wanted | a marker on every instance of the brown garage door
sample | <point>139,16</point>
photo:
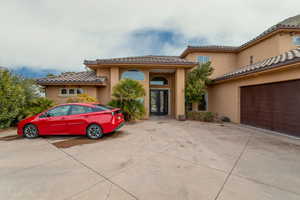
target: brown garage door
<point>274,106</point>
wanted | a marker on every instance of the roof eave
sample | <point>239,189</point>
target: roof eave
<point>93,65</point>
<point>70,83</point>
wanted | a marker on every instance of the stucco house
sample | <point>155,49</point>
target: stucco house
<point>257,83</point>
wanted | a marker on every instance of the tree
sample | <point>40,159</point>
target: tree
<point>12,98</point>
<point>197,81</point>
<point>127,95</point>
<point>19,98</point>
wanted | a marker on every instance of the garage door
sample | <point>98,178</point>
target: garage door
<point>274,106</point>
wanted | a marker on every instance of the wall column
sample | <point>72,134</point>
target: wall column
<point>114,77</point>
<point>147,97</point>
<point>179,92</point>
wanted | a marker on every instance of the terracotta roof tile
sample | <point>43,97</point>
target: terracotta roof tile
<point>289,57</point>
<point>87,77</point>
<point>161,60</point>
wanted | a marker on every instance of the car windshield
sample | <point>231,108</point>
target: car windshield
<point>103,107</point>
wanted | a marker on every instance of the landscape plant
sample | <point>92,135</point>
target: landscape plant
<point>19,98</point>
<point>128,95</point>
<point>197,81</point>
<point>81,98</point>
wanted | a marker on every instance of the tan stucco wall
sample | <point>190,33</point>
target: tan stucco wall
<point>221,62</point>
<point>53,92</point>
<point>273,46</point>
<point>179,92</point>
<point>224,98</point>
<point>103,93</point>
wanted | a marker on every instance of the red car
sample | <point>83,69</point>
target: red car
<point>92,120</point>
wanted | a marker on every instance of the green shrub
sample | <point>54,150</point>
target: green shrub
<point>18,99</point>
<point>126,95</point>
<point>225,119</point>
<point>201,116</point>
<point>81,98</point>
<point>132,109</point>
<point>37,105</point>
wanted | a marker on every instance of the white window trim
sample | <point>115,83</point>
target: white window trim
<point>68,94</point>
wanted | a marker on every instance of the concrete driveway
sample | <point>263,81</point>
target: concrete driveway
<point>153,159</point>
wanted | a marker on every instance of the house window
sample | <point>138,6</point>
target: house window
<point>79,91</point>
<point>296,40</point>
<point>203,59</point>
<point>159,81</point>
<point>133,74</point>
<point>70,91</point>
<point>251,60</point>
<point>63,91</point>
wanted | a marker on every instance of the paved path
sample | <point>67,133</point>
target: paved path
<point>153,159</point>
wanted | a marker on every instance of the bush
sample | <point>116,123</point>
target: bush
<point>81,98</point>
<point>18,99</point>
<point>132,109</point>
<point>37,105</point>
<point>225,119</point>
<point>126,95</point>
<point>202,116</point>
<point>12,99</point>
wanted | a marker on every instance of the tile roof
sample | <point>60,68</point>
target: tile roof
<point>87,77</point>
<point>159,60</point>
<point>209,48</point>
<point>289,57</point>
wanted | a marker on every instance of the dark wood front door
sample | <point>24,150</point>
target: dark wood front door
<point>159,102</point>
<point>273,106</point>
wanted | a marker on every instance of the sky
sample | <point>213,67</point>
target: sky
<point>61,34</point>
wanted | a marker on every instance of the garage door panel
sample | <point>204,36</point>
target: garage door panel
<point>273,106</point>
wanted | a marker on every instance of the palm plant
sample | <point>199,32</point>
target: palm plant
<point>126,95</point>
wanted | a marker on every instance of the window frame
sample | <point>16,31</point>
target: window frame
<point>68,91</point>
<point>296,40</point>
<point>44,115</point>
<point>164,80</point>
<point>133,70</point>
<point>72,106</point>
<point>201,60</point>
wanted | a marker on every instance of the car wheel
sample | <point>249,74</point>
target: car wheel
<point>30,131</point>
<point>94,131</point>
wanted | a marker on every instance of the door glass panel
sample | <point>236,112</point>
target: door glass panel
<point>161,101</point>
<point>154,96</point>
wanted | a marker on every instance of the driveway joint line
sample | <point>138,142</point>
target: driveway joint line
<point>96,172</point>
<point>234,166</point>
<point>266,184</point>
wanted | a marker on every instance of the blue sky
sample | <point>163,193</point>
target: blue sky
<point>60,34</point>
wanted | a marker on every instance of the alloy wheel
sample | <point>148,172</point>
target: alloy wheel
<point>30,131</point>
<point>94,131</point>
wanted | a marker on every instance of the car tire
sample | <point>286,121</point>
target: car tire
<point>30,131</point>
<point>94,131</point>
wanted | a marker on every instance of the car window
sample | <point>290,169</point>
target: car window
<point>100,107</point>
<point>58,111</point>
<point>75,110</point>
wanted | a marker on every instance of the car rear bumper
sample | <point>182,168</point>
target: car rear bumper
<point>120,126</point>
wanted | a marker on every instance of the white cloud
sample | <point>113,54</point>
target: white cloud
<point>60,34</point>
